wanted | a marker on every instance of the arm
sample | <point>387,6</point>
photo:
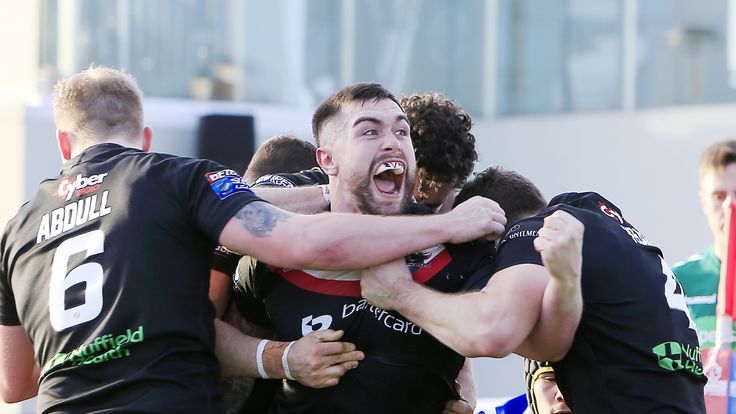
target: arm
<point>316,360</point>
<point>560,244</point>
<point>224,264</point>
<point>465,385</point>
<point>220,285</point>
<point>305,200</point>
<point>497,320</point>
<point>20,372</point>
<point>491,322</point>
<point>330,241</point>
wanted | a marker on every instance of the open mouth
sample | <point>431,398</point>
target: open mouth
<point>389,176</point>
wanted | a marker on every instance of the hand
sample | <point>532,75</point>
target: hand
<point>318,360</point>
<point>477,217</point>
<point>381,285</point>
<point>560,242</point>
<point>460,406</point>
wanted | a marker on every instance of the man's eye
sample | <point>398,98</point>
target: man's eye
<point>719,196</point>
<point>402,132</point>
<point>371,132</point>
<point>548,377</point>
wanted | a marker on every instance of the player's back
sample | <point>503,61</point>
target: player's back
<point>636,349</point>
<point>108,266</point>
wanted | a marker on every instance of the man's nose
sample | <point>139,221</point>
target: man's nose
<point>390,142</point>
<point>558,396</point>
<point>730,198</point>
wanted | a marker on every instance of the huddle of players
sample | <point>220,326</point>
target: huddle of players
<point>115,340</point>
<point>445,157</point>
<point>603,345</point>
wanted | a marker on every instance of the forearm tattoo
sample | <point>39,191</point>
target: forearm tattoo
<point>260,218</point>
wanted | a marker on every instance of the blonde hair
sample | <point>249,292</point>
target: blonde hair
<point>716,157</point>
<point>98,103</point>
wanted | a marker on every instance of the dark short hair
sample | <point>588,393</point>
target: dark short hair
<point>516,195</point>
<point>716,157</point>
<point>283,153</point>
<point>440,133</point>
<point>361,92</point>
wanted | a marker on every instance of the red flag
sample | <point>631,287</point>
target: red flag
<point>718,359</point>
<point>727,284</point>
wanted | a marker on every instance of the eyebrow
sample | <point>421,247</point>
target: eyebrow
<point>400,117</point>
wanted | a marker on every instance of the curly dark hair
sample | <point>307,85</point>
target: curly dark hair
<point>440,132</point>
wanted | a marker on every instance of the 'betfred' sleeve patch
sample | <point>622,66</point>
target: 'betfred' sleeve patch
<point>226,183</point>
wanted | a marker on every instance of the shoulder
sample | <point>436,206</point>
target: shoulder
<point>696,258</point>
<point>517,244</point>
<point>524,229</point>
<point>168,166</point>
<point>696,264</point>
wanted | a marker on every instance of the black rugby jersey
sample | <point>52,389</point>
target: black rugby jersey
<point>226,261</point>
<point>106,268</point>
<point>636,350</point>
<point>405,370</point>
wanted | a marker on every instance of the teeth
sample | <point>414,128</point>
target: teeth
<point>397,167</point>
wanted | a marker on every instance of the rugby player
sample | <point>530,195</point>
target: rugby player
<point>634,349</point>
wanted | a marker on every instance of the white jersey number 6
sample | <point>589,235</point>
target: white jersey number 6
<point>89,243</point>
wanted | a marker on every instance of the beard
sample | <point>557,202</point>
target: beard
<point>368,204</point>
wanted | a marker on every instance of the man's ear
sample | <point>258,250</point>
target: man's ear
<point>147,139</point>
<point>326,161</point>
<point>65,148</point>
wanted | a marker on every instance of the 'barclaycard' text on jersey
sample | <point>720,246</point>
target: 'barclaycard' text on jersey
<point>390,321</point>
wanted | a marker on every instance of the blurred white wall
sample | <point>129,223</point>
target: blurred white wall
<point>19,48</point>
<point>644,161</point>
<point>17,87</point>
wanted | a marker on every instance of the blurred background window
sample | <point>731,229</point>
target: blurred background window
<point>496,57</point>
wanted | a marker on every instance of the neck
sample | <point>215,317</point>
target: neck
<point>125,142</point>
<point>342,199</point>
<point>719,248</point>
<point>341,202</point>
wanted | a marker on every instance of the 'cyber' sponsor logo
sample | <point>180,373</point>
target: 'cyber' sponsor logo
<point>610,212</point>
<point>635,235</point>
<point>67,186</point>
